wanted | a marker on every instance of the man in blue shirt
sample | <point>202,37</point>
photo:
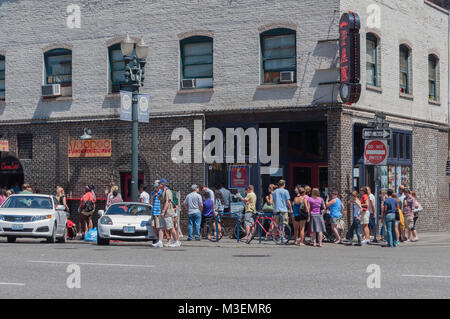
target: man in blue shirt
<point>282,203</point>
<point>157,222</point>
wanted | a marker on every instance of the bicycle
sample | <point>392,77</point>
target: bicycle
<point>280,234</point>
<point>210,228</point>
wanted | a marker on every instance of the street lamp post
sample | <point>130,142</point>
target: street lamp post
<point>134,77</point>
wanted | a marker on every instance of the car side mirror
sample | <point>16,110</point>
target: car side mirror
<point>61,207</point>
<point>101,212</point>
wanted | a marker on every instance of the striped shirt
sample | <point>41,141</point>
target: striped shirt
<point>156,210</point>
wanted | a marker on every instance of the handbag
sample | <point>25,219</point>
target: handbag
<point>267,208</point>
<point>303,210</point>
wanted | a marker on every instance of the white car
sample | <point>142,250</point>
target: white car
<point>125,222</point>
<point>33,216</point>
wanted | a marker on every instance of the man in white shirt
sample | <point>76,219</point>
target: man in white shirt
<point>144,197</point>
<point>372,210</point>
<point>193,204</point>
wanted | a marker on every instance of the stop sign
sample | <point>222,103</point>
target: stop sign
<point>375,152</point>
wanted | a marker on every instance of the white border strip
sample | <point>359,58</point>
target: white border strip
<point>11,284</point>
<point>426,276</point>
<point>88,264</point>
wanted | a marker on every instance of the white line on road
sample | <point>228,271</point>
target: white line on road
<point>88,264</point>
<point>426,276</point>
<point>11,284</point>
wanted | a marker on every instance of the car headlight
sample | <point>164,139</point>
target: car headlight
<point>105,220</point>
<point>37,218</point>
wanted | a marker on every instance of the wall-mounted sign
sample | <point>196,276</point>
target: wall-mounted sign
<point>4,146</point>
<point>349,49</point>
<point>238,176</point>
<point>89,148</point>
<point>10,165</point>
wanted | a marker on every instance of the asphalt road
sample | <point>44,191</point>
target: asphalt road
<point>31,269</point>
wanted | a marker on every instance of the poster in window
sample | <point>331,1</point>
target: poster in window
<point>384,178</point>
<point>391,177</point>
<point>398,177</point>
<point>406,176</point>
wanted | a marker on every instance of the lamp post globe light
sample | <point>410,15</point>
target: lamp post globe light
<point>134,77</point>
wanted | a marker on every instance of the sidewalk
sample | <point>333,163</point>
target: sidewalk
<point>425,239</point>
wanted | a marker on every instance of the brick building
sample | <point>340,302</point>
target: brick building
<point>235,51</point>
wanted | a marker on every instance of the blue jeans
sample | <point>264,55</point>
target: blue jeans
<point>355,228</point>
<point>391,236</point>
<point>194,221</point>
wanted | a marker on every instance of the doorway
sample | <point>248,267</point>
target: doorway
<point>125,184</point>
<point>312,174</point>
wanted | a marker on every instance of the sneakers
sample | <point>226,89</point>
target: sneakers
<point>158,244</point>
<point>365,242</point>
<point>175,244</point>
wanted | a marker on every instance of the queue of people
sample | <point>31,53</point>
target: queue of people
<point>305,211</point>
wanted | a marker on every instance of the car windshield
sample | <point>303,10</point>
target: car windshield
<point>129,209</point>
<point>33,202</point>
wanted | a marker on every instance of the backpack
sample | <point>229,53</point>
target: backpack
<point>175,200</point>
<point>89,206</point>
<point>303,210</point>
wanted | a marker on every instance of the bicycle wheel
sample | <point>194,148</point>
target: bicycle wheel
<point>211,231</point>
<point>241,232</point>
<point>282,234</point>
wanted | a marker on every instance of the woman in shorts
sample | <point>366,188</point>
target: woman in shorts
<point>300,213</point>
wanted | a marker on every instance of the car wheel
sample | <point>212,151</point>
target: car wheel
<point>11,239</point>
<point>63,239</point>
<point>52,240</point>
<point>102,241</point>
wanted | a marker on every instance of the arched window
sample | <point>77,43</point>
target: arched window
<point>197,62</point>
<point>405,70</point>
<point>2,77</point>
<point>433,78</point>
<point>117,68</point>
<point>278,56</point>
<point>58,67</point>
<point>372,60</point>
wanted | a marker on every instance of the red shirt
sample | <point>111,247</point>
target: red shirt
<point>365,201</point>
<point>87,197</point>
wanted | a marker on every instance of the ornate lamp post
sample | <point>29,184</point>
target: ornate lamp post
<point>134,76</point>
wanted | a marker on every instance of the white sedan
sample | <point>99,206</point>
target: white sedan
<point>125,222</point>
<point>33,216</point>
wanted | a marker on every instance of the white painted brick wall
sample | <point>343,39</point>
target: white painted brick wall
<point>28,26</point>
<point>425,28</point>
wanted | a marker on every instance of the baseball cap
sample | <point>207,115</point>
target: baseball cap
<point>163,181</point>
<point>156,184</point>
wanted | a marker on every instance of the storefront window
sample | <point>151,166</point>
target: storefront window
<point>295,141</point>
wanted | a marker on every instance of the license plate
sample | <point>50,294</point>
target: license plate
<point>129,230</point>
<point>17,227</point>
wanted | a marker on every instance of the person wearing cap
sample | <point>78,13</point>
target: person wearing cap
<point>156,220</point>
<point>168,212</point>
<point>193,204</point>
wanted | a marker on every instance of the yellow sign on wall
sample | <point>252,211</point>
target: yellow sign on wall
<point>4,146</point>
<point>89,148</point>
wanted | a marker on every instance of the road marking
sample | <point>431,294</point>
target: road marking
<point>89,264</point>
<point>11,284</point>
<point>426,276</point>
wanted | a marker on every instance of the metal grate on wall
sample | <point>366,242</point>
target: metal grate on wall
<point>25,146</point>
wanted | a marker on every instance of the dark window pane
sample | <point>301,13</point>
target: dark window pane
<point>197,57</point>
<point>408,146</point>
<point>401,145</point>
<point>394,145</point>
<point>58,65</point>
<point>295,142</point>
<point>25,146</point>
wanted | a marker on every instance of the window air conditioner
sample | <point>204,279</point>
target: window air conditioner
<point>287,77</point>
<point>50,90</point>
